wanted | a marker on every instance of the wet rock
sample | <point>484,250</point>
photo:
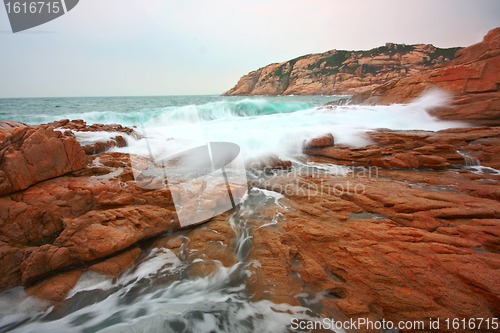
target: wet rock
<point>88,218</point>
<point>95,235</point>
<point>69,127</point>
<point>269,162</point>
<point>9,124</point>
<point>324,141</point>
<point>117,264</point>
<point>397,244</point>
<point>29,155</point>
<point>81,126</point>
<point>94,213</point>
<point>425,254</point>
<point>419,149</point>
<point>55,288</point>
<point>100,147</point>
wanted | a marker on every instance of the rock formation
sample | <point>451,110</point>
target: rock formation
<point>69,127</point>
<point>78,219</point>
<point>419,149</point>
<point>339,72</point>
<point>473,78</point>
<point>29,155</point>
<point>397,245</point>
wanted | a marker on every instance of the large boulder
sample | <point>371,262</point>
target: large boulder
<point>77,219</point>
<point>29,155</point>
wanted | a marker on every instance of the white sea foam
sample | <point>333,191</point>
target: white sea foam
<point>262,127</point>
<point>284,133</point>
<point>16,305</point>
<point>202,305</point>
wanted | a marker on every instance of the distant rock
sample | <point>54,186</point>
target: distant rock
<point>339,72</point>
<point>473,78</point>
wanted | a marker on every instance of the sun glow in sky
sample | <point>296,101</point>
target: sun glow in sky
<point>164,47</point>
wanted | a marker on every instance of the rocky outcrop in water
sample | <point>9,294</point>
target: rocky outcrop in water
<point>339,72</point>
<point>419,149</point>
<point>80,125</point>
<point>69,127</point>
<point>473,78</point>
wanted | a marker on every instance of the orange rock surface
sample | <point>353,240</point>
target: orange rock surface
<point>29,155</point>
<point>473,78</point>
<point>339,72</point>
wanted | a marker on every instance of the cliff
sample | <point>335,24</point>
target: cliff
<point>339,72</point>
<point>473,78</point>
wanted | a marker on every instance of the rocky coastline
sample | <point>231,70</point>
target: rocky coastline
<point>340,72</point>
<point>472,79</point>
<point>410,232</point>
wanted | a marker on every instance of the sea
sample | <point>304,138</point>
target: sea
<point>141,299</point>
<point>259,125</point>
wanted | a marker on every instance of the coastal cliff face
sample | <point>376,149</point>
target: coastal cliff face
<point>473,78</point>
<point>339,72</point>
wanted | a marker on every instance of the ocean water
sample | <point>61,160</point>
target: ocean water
<point>154,294</point>
<point>259,125</point>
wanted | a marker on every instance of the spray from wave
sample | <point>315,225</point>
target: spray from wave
<point>208,111</point>
<point>284,130</point>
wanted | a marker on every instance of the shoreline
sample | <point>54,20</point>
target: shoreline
<point>402,214</point>
<point>408,228</point>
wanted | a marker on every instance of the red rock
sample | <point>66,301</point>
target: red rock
<point>456,87</point>
<point>81,126</point>
<point>477,86</point>
<point>96,235</point>
<point>418,149</point>
<point>55,288</point>
<point>472,77</point>
<point>9,124</point>
<point>43,260</point>
<point>433,162</point>
<point>324,141</point>
<point>34,154</point>
<point>96,148</point>
<point>100,147</point>
<point>117,264</point>
<point>32,232</point>
<point>411,266</point>
<point>335,72</point>
<point>268,162</point>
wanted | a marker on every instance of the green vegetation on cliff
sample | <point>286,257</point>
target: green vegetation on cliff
<point>341,71</point>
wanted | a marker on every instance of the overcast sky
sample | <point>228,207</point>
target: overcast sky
<point>182,47</point>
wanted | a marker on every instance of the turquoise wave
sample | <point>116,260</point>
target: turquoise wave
<point>206,112</point>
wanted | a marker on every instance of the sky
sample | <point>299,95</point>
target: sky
<point>199,47</point>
